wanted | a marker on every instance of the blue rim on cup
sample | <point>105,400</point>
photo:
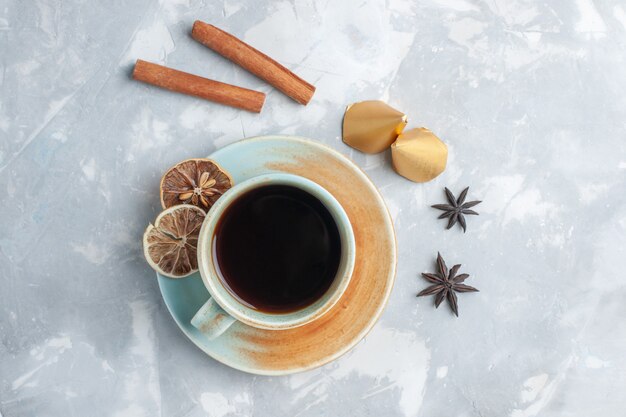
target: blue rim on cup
<point>223,308</point>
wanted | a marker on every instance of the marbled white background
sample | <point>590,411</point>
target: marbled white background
<point>529,97</point>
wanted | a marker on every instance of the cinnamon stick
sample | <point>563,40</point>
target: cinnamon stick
<point>194,85</point>
<point>253,60</point>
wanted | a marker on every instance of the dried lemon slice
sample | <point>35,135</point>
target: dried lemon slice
<point>170,245</point>
<point>194,181</point>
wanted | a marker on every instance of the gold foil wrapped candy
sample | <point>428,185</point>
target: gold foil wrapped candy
<point>419,155</point>
<point>372,126</point>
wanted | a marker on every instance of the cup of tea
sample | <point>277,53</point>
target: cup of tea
<point>275,252</point>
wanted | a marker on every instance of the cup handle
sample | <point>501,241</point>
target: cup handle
<point>212,320</point>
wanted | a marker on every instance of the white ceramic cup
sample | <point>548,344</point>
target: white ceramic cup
<point>223,308</point>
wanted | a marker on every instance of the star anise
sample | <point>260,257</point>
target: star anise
<point>456,209</point>
<point>446,284</point>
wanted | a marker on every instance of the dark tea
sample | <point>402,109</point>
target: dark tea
<point>277,248</point>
